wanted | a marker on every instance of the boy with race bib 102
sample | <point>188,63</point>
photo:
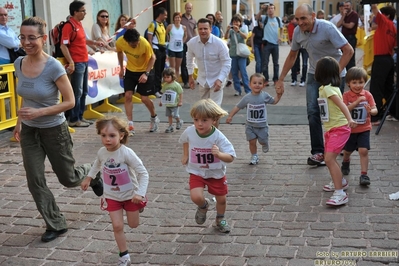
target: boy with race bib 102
<point>256,128</point>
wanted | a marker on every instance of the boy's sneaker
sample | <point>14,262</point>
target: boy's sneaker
<point>131,128</point>
<point>293,83</point>
<point>124,261</point>
<point>200,215</point>
<point>330,187</point>
<point>364,180</point>
<point>179,124</point>
<point>154,124</point>
<point>345,168</point>
<point>302,84</point>
<point>169,129</point>
<point>338,199</point>
<point>265,148</point>
<point>254,160</point>
<point>316,159</point>
<point>222,226</point>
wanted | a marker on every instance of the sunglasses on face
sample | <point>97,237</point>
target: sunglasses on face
<point>104,16</point>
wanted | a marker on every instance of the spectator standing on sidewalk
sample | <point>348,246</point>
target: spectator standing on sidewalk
<point>8,38</point>
<point>218,23</point>
<point>301,53</point>
<point>272,32</point>
<point>383,68</point>
<point>73,46</point>
<point>157,38</point>
<point>191,28</point>
<point>140,60</point>
<point>349,22</point>
<point>42,129</point>
<point>213,62</point>
<point>176,34</point>
<point>256,45</point>
<point>320,38</point>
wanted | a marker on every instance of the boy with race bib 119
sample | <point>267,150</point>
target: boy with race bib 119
<point>172,97</point>
<point>206,151</point>
<point>256,128</point>
<point>361,104</point>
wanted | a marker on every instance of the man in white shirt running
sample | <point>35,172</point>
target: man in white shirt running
<point>213,62</point>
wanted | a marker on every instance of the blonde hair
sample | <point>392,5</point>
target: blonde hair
<point>117,123</point>
<point>207,108</point>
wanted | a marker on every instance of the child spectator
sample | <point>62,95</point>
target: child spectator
<point>172,96</point>
<point>361,104</point>
<point>256,128</point>
<point>123,190</point>
<point>206,150</point>
<point>337,123</point>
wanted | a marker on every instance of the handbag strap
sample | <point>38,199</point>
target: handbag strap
<point>235,37</point>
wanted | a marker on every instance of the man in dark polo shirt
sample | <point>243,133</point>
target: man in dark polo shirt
<point>191,27</point>
<point>349,29</point>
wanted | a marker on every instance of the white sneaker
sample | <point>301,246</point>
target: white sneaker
<point>338,199</point>
<point>158,95</point>
<point>330,187</point>
<point>391,118</point>
<point>302,84</point>
<point>254,160</point>
<point>124,261</point>
<point>265,148</point>
<point>293,83</point>
<point>131,128</point>
<point>179,124</point>
<point>154,124</point>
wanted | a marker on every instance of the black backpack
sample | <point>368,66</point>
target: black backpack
<point>55,37</point>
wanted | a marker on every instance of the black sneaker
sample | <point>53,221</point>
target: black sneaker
<point>97,185</point>
<point>364,180</point>
<point>345,168</point>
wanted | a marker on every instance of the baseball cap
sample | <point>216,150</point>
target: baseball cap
<point>341,4</point>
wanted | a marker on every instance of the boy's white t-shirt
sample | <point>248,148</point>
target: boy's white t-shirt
<point>201,161</point>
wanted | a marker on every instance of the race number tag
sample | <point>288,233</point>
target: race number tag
<point>256,113</point>
<point>203,158</point>
<point>178,43</point>
<point>117,179</point>
<point>359,113</point>
<point>168,97</point>
<point>323,106</point>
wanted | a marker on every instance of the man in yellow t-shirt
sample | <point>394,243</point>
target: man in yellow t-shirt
<point>140,60</point>
<point>157,39</point>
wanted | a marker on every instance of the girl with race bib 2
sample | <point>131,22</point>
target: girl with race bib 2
<point>256,128</point>
<point>125,180</point>
<point>337,123</point>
